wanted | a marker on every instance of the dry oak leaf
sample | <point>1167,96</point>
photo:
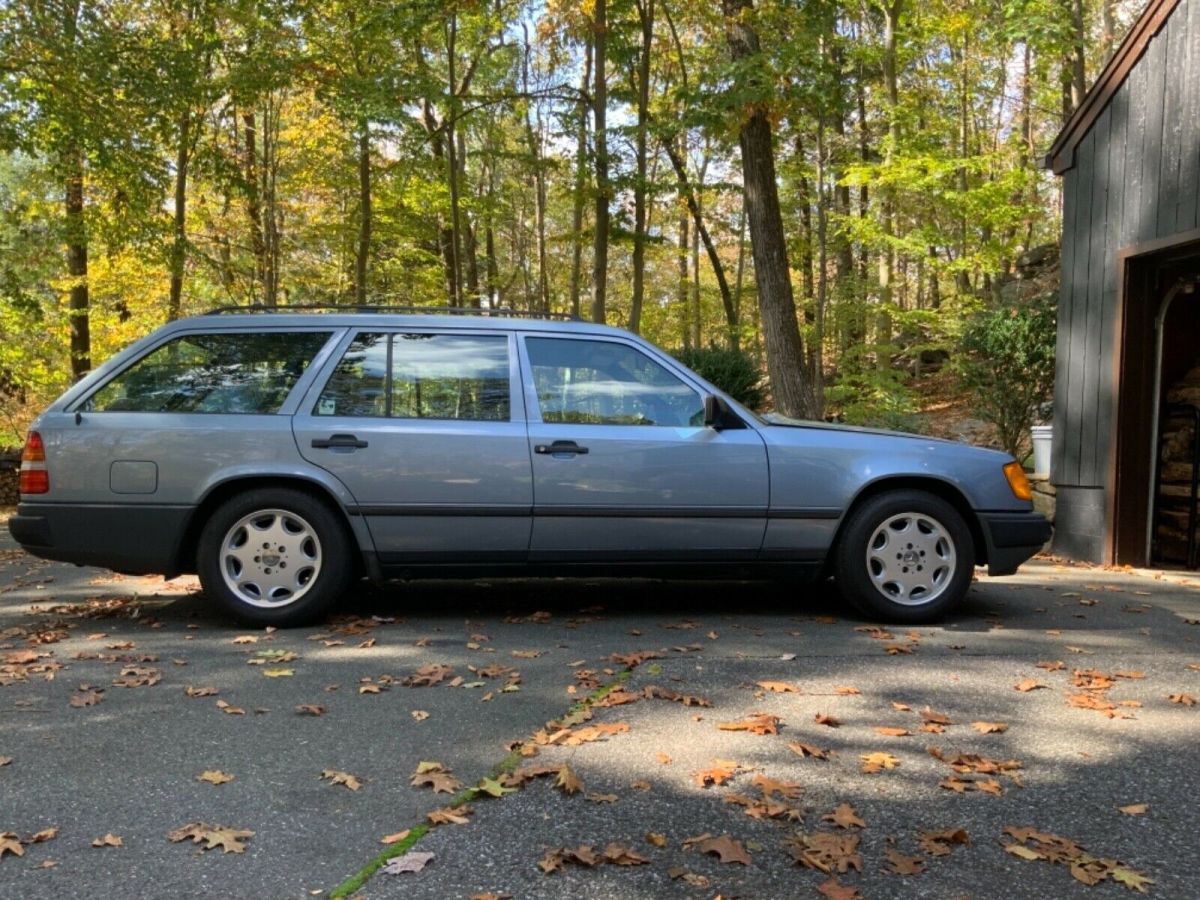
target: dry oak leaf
<point>620,855</point>
<point>9,843</point>
<point>594,733</point>
<point>82,698</point>
<point>990,727</point>
<point>826,852</point>
<point>725,848</point>
<point>938,843</point>
<point>310,709</point>
<point>46,834</point>
<point>428,675</point>
<point>962,785</point>
<point>229,709</point>
<point>450,815</point>
<point>873,763</point>
<point>343,778</point>
<point>1184,699</point>
<point>663,758</point>
<point>656,839</point>
<point>721,772</point>
<point>809,750</point>
<point>568,782</point>
<point>778,687</point>
<point>785,789</point>
<point>757,723</point>
<point>600,798</point>
<point>412,861</point>
<point>844,816</point>
<point>5,760</point>
<point>1134,809</point>
<point>553,860</point>
<point>846,691</point>
<point>395,838</point>
<point>231,840</point>
<point>929,717</point>
<point>887,731</point>
<point>835,890</point>
<point>109,840</point>
<point>652,692</point>
<point>828,720</point>
<point>1029,684</point>
<point>200,691</point>
<point>436,776</point>
<point>899,864</point>
<point>214,776</point>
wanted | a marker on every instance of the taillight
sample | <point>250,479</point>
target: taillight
<point>34,479</point>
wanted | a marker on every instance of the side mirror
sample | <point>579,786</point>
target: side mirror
<point>712,412</point>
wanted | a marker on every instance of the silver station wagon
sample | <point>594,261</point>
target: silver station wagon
<point>281,455</point>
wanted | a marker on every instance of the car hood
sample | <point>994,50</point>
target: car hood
<point>786,422</point>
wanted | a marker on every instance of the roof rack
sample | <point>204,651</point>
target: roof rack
<point>486,312</point>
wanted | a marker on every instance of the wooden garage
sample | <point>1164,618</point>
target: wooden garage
<point>1127,390</point>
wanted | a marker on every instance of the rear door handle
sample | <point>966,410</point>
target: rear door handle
<point>559,447</point>
<point>338,441</point>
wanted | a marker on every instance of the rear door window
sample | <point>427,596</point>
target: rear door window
<point>421,376</point>
<point>221,372</point>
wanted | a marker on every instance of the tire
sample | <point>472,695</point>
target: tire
<point>905,556</point>
<point>304,565</point>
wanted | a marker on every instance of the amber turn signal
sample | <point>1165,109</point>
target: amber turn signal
<point>1015,473</point>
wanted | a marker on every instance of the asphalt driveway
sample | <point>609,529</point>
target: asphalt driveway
<point>741,740</point>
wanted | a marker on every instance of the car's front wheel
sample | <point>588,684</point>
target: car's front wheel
<point>274,556</point>
<point>905,556</point>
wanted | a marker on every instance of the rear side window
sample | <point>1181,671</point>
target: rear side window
<point>213,373</point>
<point>421,376</point>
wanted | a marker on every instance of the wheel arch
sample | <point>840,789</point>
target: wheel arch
<point>185,556</point>
<point>938,487</point>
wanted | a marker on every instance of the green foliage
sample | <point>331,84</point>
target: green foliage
<point>733,371</point>
<point>865,394</point>
<point>1007,363</point>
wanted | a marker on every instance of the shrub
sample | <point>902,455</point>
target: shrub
<point>733,371</point>
<point>1007,363</point>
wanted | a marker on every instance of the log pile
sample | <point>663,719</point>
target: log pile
<point>1175,467</point>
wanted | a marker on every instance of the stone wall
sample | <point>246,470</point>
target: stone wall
<point>1044,496</point>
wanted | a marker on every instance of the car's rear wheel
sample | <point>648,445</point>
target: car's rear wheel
<point>274,556</point>
<point>905,556</point>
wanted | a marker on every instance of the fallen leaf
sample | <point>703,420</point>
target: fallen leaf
<point>412,861</point>
<point>229,709</point>
<point>656,839</point>
<point>892,732</point>
<point>450,815</point>
<point>1184,699</point>
<point>568,782</point>
<point>835,890</point>
<point>873,763</point>
<point>899,864</point>
<point>826,852</point>
<point>757,723</point>
<point>278,673</point>
<point>601,798</point>
<point>200,691</point>
<point>5,760</point>
<point>778,687</point>
<point>10,843</point>
<point>1029,684</point>
<point>938,843</point>
<point>310,709</point>
<point>808,750</point>
<point>828,720</point>
<point>769,787</point>
<point>343,778</point>
<point>844,816</point>
<point>620,855</point>
<point>82,698</point>
<point>1022,851</point>
<point>990,727</point>
<point>725,848</point>
<point>109,840</point>
<point>46,834</point>
<point>395,838</point>
<point>664,758</point>
<point>527,654</point>
<point>846,691</point>
<point>721,772</point>
<point>214,776</point>
<point>1135,809</point>
<point>436,776</point>
<point>493,788</point>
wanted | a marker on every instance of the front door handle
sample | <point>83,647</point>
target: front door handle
<point>338,441</point>
<point>559,447</point>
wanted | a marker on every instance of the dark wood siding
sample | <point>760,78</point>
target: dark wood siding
<point>1135,179</point>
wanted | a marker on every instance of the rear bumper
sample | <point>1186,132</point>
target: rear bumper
<point>135,539</point>
<point>1012,538</point>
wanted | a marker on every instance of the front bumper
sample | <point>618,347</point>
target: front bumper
<point>1012,538</point>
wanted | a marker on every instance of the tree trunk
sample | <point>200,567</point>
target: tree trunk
<point>534,139</point>
<point>887,260</point>
<point>445,237</point>
<point>254,203</point>
<point>693,206</point>
<point>645,10</point>
<point>683,280</point>
<point>786,362</point>
<point>580,181</point>
<point>364,214</point>
<point>183,155</point>
<point>451,126</point>
<point>600,111</point>
<point>77,265</point>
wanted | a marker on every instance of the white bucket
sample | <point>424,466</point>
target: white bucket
<point>1043,439</point>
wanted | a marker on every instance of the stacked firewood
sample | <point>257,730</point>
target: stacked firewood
<point>1175,471</point>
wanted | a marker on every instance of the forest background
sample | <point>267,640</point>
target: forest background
<point>816,203</point>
